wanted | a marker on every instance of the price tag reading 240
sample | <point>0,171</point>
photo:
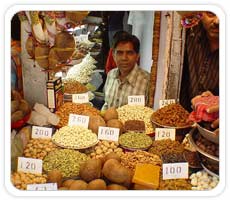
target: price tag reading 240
<point>175,171</point>
<point>136,100</point>
<point>78,120</point>
<point>80,98</point>
<point>165,133</point>
<point>108,133</point>
<point>166,102</point>
<point>29,165</point>
<point>41,132</point>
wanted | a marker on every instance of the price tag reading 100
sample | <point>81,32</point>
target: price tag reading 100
<point>108,133</point>
<point>30,165</point>
<point>78,120</point>
<point>175,171</point>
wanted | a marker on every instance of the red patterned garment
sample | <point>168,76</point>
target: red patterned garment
<point>200,110</point>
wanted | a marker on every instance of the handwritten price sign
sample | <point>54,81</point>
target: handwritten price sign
<point>30,165</point>
<point>41,132</point>
<point>78,120</point>
<point>80,98</point>
<point>165,133</point>
<point>42,187</point>
<point>108,133</point>
<point>175,171</point>
<point>166,102</point>
<point>136,100</point>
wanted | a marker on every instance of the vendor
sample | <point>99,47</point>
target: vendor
<point>128,78</point>
<point>201,62</point>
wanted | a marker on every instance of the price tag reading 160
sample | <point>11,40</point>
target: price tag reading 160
<point>78,120</point>
<point>175,171</point>
<point>30,165</point>
<point>108,133</point>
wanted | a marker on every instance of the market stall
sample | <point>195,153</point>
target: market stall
<point>63,141</point>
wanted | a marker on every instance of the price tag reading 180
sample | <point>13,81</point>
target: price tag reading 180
<point>165,133</point>
<point>78,120</point>
<point>136,100</point>
<point>108,133</point>
<point>175,171</point>
<point>29,165</point>
<point>166,102</point>
<point>80,98</point>
<point>42,187</point>
<point>41,132</point>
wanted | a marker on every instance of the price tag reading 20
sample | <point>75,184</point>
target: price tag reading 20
<point>136,100</point>
<point>165,133</point>
<point>108,133</point>
<point>78,120</point>
<point>175,171</point>
<point>41,132</point>
<point>29,165</point>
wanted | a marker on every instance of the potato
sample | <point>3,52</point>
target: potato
<point>95,122</point>
<point>111,113</point>
<point>115,123</point>
<point>115,172</point>
<point>67,183</point>
<point>116,187</point>
<point>16,116</point>
<point>91,170</point>
<point>55,176</point>
<point>112,155</point>
<point>78,185</point>
<point>14,106</point>
<point>97,184</point>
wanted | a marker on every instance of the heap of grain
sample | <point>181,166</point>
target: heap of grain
<point>128,112</point>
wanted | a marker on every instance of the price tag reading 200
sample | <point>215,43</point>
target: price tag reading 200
<point>29,165</point>
<point>136,100</point>
<point>166,102</point>
<point>41,132</point>
<point>108,133</point>
<point>175,171</point>
<point>78,120</point>
<point>165,133</point>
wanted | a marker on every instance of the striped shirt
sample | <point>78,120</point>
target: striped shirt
<point>117,92</point>
<point>201,67</point>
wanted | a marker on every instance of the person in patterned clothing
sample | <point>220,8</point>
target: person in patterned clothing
<point>128,78</point>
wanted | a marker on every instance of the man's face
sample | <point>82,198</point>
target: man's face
<point>125,57</point>
<point>211,24</point>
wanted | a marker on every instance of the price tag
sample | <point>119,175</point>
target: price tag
<point>166,102</point>
<point>108,133</point>
<point>30,165</point>
<point>175,171</point>
<point>42,187</point>
<point>165,133</point>
<point>41,132</point>
<point>78,120</point>
<point>80,98</point>
<point>136,100</point>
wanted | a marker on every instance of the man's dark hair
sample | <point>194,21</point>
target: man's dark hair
<point>124,37</point>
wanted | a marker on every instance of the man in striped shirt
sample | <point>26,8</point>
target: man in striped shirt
<point>201,63</point>
<point>128,78</point>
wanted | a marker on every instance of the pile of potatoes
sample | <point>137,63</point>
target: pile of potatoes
<point>96,174</point>
<point>19,107</point>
